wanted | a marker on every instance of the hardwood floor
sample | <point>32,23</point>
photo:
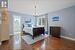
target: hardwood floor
<point>49,43</point>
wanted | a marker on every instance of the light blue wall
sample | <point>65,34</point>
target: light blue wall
<point>66,17</point>
<point>66,21</point>
<point>24,17</point>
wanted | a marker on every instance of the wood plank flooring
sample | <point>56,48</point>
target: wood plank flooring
<point>49,43</point>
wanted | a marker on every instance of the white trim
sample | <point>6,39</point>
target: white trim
<point>68,38</point>
<point>15,34</point>
<point>11,34</point>
<point>0,43</point>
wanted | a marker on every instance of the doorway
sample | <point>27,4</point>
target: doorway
<point>42,21</point>
<point>16,24</point>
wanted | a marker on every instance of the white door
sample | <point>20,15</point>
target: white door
<point>16,25</point>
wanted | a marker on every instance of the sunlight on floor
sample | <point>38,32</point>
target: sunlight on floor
<point>43,45</point>
<point>17,41</point>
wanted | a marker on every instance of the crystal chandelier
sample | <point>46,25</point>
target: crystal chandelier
<point>35,8</point>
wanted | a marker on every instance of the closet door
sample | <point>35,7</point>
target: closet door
<point>4,25</point>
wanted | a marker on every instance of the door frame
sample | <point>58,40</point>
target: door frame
<point>46,22</point>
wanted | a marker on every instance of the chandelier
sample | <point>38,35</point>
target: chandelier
<point>35,8</point>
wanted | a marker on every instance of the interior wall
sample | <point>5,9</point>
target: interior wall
<point>0,25</point>
<point>28,18</point>
<point>66,21</point>
<point>23,18</point>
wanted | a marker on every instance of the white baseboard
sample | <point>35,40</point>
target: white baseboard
<point>13,34</point>
<point>10,34</point>
<point>0,43</point>
<point>68,38</point>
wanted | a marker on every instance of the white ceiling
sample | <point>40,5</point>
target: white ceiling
<point>43,6</point>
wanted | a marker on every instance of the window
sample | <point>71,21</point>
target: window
<point>4,3</point>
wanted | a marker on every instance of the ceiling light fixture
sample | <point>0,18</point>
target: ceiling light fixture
<point>35,8</point>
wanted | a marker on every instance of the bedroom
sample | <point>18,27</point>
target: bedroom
<point>61,15</point>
